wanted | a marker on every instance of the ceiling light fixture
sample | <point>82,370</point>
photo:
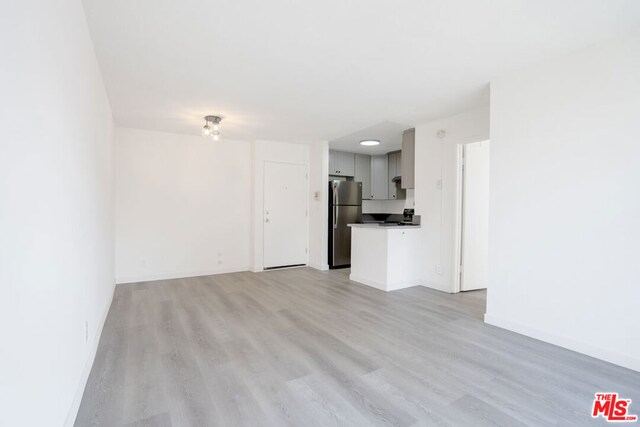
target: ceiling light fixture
<point>370,142</point>
<point>212,127</point>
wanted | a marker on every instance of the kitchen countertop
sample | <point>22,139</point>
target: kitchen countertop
<point>383,227</point>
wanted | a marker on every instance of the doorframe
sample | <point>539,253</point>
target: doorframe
<point>458,232</point>
<point>264,182</point>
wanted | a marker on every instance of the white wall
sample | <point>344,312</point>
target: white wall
<point>56,210</point>
<point>182,206</point>
<point>435,191</point>
<point>318,206</point>
<point>263,151</point>
<point>565,202</point>
<point>188,206</point>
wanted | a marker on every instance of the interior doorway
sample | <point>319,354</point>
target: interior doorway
<point>285,215</point>
<point>473,202</point>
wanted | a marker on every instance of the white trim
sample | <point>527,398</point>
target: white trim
<point>321,267</point>
<point>368,282</point>
<point>436,286</point>
<point>624,360</point>
<point>84,377</point>
<point>457,230</point>
<point>382,286</point>
<point>404,285</point>
<point>182,275</point>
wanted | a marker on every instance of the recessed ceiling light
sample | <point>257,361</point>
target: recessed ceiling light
<point>370,142</point>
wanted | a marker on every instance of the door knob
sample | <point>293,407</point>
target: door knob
<point>266,220</point>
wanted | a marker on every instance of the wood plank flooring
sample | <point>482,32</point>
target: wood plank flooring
<point>302,347</point>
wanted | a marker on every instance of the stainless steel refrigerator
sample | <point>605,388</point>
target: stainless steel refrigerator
<point>345,207</point>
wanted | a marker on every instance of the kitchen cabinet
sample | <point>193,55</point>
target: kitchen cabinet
<point>346,163</point>
<point>394,165</point>
<point>333,162</point>
<point>380,177</point>
<point>341,163</point>
<point>386,258</point>
<point>376,173</point>
<point>362,174</point>
<point>408,165</point>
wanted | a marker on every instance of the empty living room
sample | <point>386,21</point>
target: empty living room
<point>319,213</point>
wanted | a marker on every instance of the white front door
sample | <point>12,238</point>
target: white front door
<point>285,214</point>
<point>475,216</point>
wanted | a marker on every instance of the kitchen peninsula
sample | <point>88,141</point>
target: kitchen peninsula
<point>382,255</point>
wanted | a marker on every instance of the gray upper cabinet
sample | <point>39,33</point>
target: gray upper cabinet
<point>380,177</point>
<point>408,158</point>
<point>341,163</point>
<point>395,168</point>
<point>346,163</point>
<point>333,162</point>
<point>363,174</point>
<point>376,173</point>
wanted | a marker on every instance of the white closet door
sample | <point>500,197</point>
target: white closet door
<point>285,214</point>
<point>475,220</point>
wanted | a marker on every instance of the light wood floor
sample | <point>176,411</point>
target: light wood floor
<point>302,348</point>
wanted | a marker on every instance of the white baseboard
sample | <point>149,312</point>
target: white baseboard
<point>168,276</point>
<point>436,286</point>
<point>91,356</point>
<point>321,267</point>
<point>367,282</point>
<point>565,342</point>
<point>404,285</point>
<point>388,287</point>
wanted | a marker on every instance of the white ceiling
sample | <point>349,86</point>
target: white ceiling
<point>388,133</point>
<point>303,71</point>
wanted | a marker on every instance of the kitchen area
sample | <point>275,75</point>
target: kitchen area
<point>372,226</point>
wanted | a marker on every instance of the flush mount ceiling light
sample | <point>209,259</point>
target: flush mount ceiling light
<point>212,127</point>
<point>370,142</point>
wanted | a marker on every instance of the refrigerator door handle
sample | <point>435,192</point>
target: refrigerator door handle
<point>335,194</point>
<point>335,216</point>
